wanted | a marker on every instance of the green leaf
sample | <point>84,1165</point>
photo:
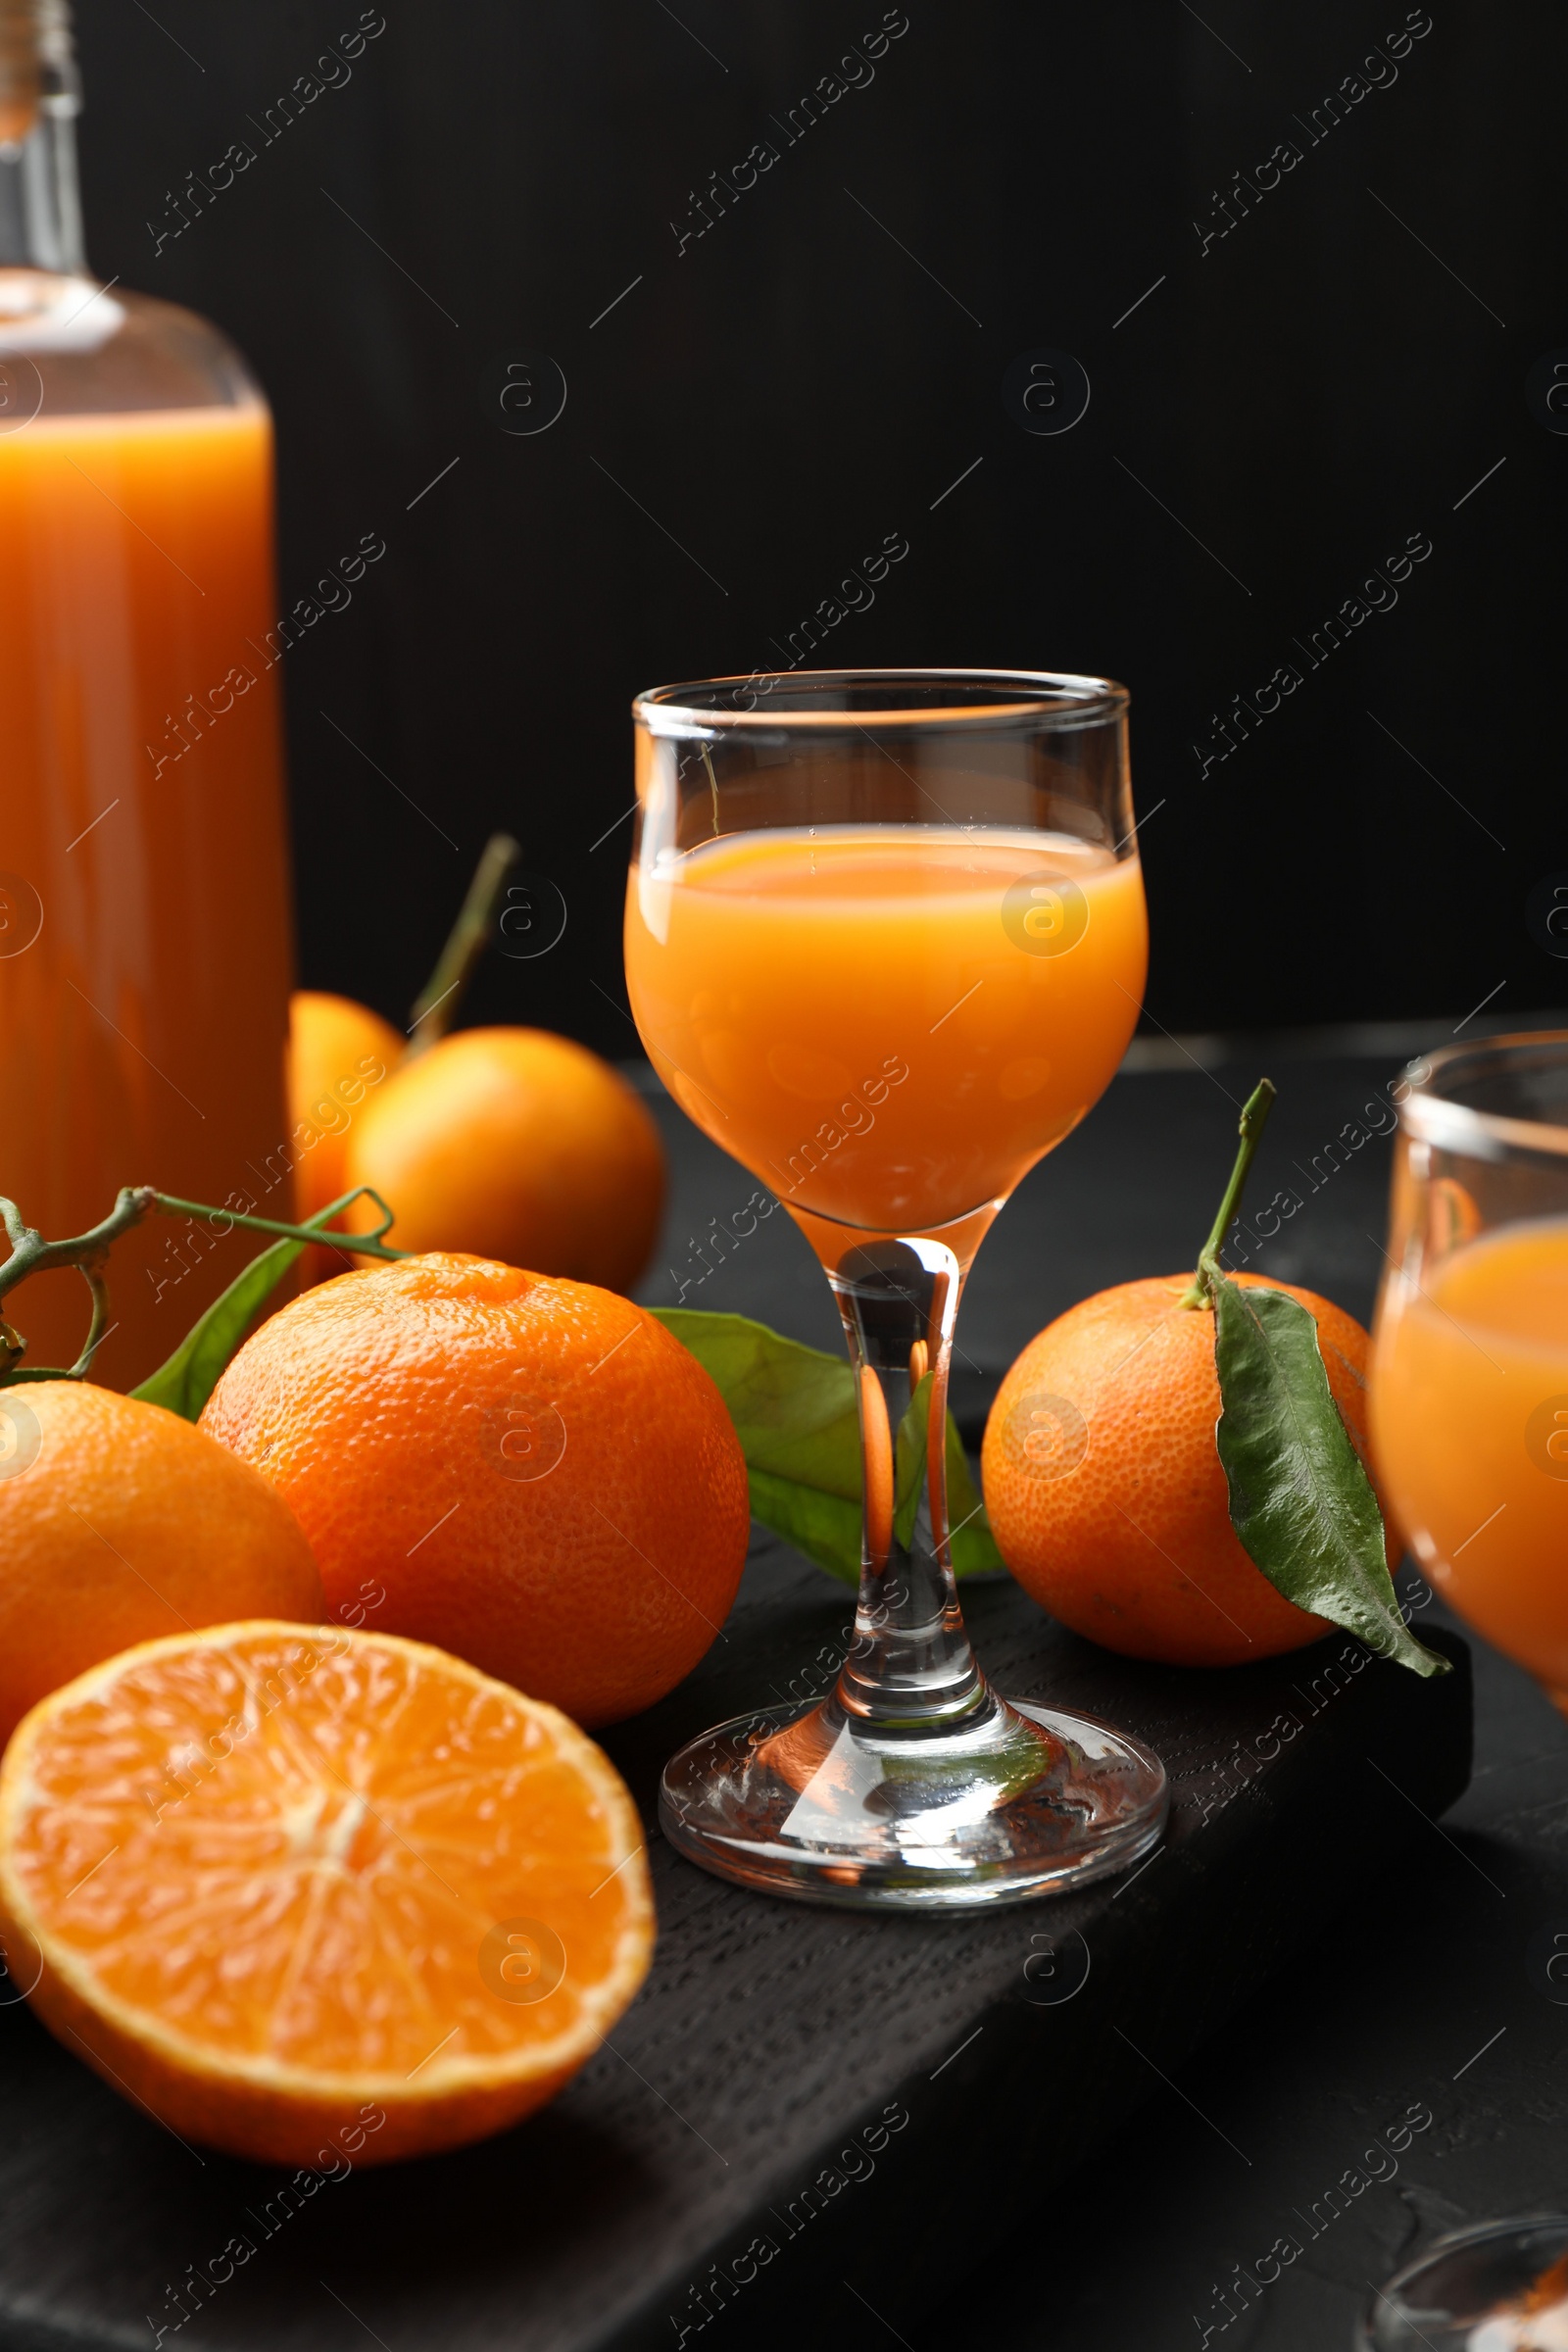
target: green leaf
<point>973,1545</point>
<point>184,1383</point>
<point>1300,1498</point>
<point>795,1413</point>
<point>823,1526</point>
<point>792,1407</point>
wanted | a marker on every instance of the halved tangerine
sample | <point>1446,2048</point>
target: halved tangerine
<point>299,1890</point>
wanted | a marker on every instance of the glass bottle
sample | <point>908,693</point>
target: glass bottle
<point>145,943</point>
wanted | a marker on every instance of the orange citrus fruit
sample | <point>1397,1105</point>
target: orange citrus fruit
<point>310,1894</point>
<point>120,1521</point>
<point>1105,1491</point>
<point>531,1473</point>
<point>517,1146</point>
<point>338,1053</point>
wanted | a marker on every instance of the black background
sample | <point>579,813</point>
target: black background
<point>817,370</point>
<point>1304,397</point>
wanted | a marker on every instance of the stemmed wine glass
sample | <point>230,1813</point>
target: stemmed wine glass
<point>1470,1427</point>
<point>886,943</point>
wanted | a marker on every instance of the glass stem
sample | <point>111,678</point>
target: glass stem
<point>910,1671</point>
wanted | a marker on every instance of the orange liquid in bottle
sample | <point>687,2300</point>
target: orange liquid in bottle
<point>1470,1426</point>
<point>144,928</point>
<point>889,1025</point>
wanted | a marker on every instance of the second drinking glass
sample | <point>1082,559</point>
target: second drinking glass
<point>886,943</point>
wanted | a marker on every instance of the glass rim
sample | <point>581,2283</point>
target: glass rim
<point>1463,2241</point>
<point>1432,1117</point>
<point>1059,699</point>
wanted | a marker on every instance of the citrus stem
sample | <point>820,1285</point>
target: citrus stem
<point>436,1007</point>
<point>1254,1119</point>
<point>89,1251</point>
<point>369,1244</point>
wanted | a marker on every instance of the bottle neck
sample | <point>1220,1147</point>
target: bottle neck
<point>40,96</point>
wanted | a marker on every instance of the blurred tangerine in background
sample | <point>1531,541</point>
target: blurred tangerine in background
<point>516,1144</point>
<point>512,1142</point>
<point>339,1052</point>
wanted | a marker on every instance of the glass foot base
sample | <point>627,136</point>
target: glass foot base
<point>1498,2286</point>
<point>1016,1801</point>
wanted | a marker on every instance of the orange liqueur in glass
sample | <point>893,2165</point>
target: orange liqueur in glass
<point>845,1011</point>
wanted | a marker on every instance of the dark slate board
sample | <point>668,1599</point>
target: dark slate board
<point>928,2075</point>
<point>771,2038</point>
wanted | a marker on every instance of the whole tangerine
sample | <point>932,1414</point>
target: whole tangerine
<point>531,1473</point>
<point>339,1052</point>
<point>1104,1488</point>
<point>516,1145</point>
<point>120,1522</point>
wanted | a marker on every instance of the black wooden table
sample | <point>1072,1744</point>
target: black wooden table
<point>1060,2125</point>
<point>1424,1992</point>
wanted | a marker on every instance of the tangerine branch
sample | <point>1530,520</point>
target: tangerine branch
<point>1254,1119</point>
<point>89,1251</point>
<point>436,1006</point>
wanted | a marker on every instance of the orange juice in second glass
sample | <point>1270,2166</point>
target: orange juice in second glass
<point>888,1024</point>
<point>1470,1422</point>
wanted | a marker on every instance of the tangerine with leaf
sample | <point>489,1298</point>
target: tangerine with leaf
<point>1179,1467</point>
